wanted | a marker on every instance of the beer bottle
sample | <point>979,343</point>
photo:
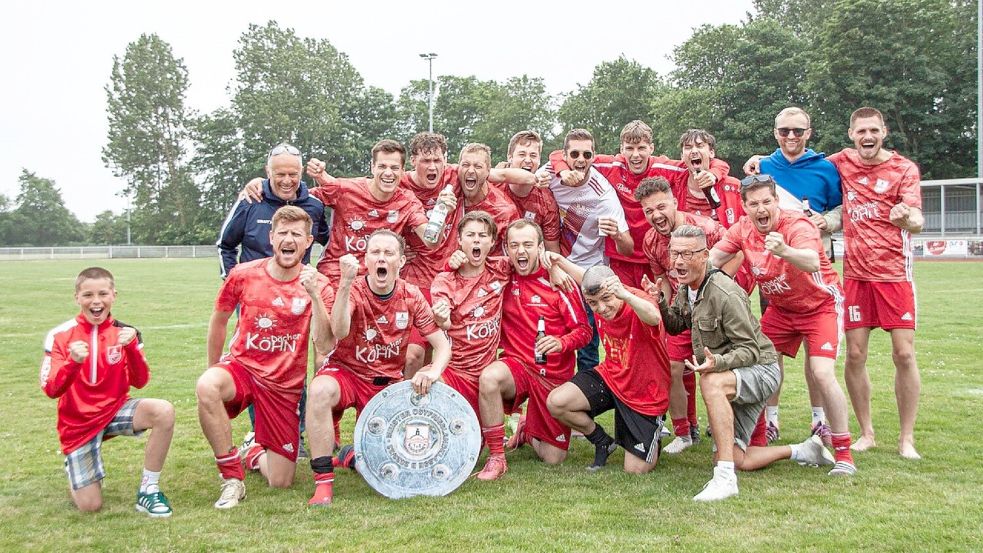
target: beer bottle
<point>540,333</point>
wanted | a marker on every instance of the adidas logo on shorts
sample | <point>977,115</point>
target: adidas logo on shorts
<point>827,347</point>
<point>289,448</point>
<point>640,447</point>
<point>561,438</point>
<point>906,316</point>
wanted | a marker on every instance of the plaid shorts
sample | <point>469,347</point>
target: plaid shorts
<point>84,465</point>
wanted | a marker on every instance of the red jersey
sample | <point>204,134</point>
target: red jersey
<point>731,207</point>
<point>427,262</point>
<point>876,250</point>
<point>656,246</point>
<point>539,207</point>
<point>274,323</point>
<point>90,393</point>
<point>497,204</point>
<point>357,214</point>
<point>526,299</point>
<point>785,286</point>
<point>380,330</point>
<point>476,314</point>
<point>636,364</point>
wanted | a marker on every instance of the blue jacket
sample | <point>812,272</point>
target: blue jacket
<point>248,226</point>
<point>812,176</point>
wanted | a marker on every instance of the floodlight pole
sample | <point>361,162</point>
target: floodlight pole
<point>429,57</point>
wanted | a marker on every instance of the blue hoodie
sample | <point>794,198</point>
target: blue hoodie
<point>812,176</point>
<point>247,227</point>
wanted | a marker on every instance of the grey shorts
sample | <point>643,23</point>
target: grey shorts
<point>755,384</point>
<point>84,465</point>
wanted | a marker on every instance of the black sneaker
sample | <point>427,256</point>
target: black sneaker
<point>345,457</point>
<point>694,433</point>
<point>601,454</point>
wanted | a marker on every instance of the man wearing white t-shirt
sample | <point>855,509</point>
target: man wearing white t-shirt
<point>590,212</point>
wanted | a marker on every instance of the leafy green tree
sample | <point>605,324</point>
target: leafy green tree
<point>40,217</point>
<point>108,228</point>
<point>619,91</point>
<point>148,139</point>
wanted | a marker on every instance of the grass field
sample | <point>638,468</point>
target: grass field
<point>891,505</point>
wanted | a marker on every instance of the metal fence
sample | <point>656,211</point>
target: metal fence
<point>118,252</point>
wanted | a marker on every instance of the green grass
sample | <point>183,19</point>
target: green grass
<point>933,504</point>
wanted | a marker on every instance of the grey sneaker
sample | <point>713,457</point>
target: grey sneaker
<point>678,445</point>
<point>812,452</point>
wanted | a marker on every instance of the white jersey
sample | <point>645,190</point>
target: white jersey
<point>580,208</point>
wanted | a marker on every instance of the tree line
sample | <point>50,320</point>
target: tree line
<point>915,60</point>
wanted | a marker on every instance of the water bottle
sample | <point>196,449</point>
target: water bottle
<point>438,216</point>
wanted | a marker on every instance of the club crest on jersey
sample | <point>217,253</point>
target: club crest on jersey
<point>536,299</point>
<point>298,305</point>
<point>529,216</point>
<point>393,216</point>
<point>114,354</point>
<point>881,186</point>
<point>402,319</point>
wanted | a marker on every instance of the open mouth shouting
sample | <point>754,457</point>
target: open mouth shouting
<point>470,182</point>
<point>662,225</point>
<point>475,255</point>
<point>97,313</point>
<point>432,176</point>
<point>868,147</point>
<point>762,221</point>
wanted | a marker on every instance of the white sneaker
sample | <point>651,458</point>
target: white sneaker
<point>233,491</point>
<point>678,445</point>
<point>721,486</point>
<point>812,452</point>
<point>843,468</point>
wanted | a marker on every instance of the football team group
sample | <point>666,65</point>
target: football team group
<point>504,282</point>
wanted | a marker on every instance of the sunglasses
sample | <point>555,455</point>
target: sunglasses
<point>796,131</point>
<point>755,179</point>
<point>284,149</point>
<point>574,154</point>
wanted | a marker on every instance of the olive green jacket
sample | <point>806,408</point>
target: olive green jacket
<point>721,320</point>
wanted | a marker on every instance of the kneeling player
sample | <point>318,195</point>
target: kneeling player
<point>89,364</point>
<point>633,379</point>
<point>468,303</point>
<point>267,359</point>
<point>371,319</point>
<point>530,367</point>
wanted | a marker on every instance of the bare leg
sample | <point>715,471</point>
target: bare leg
<point>907,388</point>
<point>568,404</point>
<point>858,385</point>
<point>677,391</point>
<point>323,395</point>
<point>759,457</point>
<point>549,453</point>
<point>215,386</point>
<point>158,416</point>
<point>278,470</point>
<point>635,465</point>
<point>494,386</point>
<point>823,372</point>
<point>88,499</point>
<point>717,390</point>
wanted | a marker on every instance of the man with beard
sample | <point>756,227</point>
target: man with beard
<point>737,364</point>
<point>660,209</point>
<point>803,291</point>
<point>882,205</point>
<point>267,360</point>
<point>625,171</point>
<point>633,379</point>
<point>802,174</point>
<point>371,318</point>
<point>530,366</point>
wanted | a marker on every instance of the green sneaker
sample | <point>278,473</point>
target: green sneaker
<point>154,504</point>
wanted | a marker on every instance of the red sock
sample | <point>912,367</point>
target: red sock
<point>759,437</point>
<point>495,438</point>
<point>252,457</point>
<point>681,426</point>
<point>229,465</point>
<point>841,447</point>
<point>689,383</point>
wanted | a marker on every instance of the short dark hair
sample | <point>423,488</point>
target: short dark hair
<point>865,112</point>
<point>523,137</point>
<point>481,217</point>
<point>594,278</point>
<point>651,186</point>
<point>93,273</point>
<point>388,146</point>
<point>578,134</point>
<point>427,142</point>
<point>755,182</point>
<point>697,135</point>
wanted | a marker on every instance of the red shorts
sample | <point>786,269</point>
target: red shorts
<point>630,274</point>
<point>886,305</point>
<point>680,346</point>
<point>821,330</point>
<point>277,416</point>
<point>465,385</point>
<point>539,423</point>
<point>355,390</point>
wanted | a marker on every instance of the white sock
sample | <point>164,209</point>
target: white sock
<point>150,482</point>
<point>727,467</point>
<point>771,414</point>
<point>818,415</point>
<point>796,448</point>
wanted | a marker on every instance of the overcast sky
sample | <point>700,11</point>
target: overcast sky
<point>57,57</point>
